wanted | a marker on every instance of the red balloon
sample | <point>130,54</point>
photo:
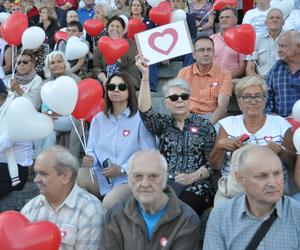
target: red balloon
<point>98,108</point>
<point>90,91</point>
<point>13,28</point>
<point>111,49</point>
<point>135,25</point>
<point>16,232</point>
<point>93,26</point>
<point>60,35</point>
<point>220,4</point>
<point>161,14</point>
<point>295,124</point>
<point>241,39</point>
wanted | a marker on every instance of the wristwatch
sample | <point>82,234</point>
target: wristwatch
<point>123,172</point>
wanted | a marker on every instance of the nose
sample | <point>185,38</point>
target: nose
<point>37,179</point>
<point>145,182</point>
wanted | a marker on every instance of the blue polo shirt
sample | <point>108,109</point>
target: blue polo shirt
<point>85,14</point>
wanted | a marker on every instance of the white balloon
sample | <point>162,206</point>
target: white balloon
<point>33,37</point>
<point>296,111</point>
<point>76,48</point>
<point>153,3</point>
<point>286,6</point>
<point>60,95</point>
<point>178,15</point>
<point>3,17</point>
<point>25,123</point>
<point>125,18</point>
<point>296,140</point>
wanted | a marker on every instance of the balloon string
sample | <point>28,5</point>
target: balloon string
<point>208,14</point>
<point>84,148</point>
<point>83,132</point>
<point>14,70</point>
<point>12,60</point>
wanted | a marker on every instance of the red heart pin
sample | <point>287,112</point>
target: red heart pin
<point>135,26</point>
<point>126,132</point>
<point>172,32</point>
<point>16,232</point>
<point>111,49</point>
<point>241,39</point>
<point>93,26</point>
<point>220,4</point>
<point>161,14</point>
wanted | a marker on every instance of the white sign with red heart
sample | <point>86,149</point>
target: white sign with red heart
<point>164,42</point>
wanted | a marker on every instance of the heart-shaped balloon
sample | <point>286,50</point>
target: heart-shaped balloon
<point>16,232</point>
<point>161,14</point>
<point>60,95</point>
<point>98,108</point>
<point>60,35</point>
<point>33,37</point>
<point>25,123</point>
<point>135,25</point>
<point>111,49</point>
<point>93,26</point>
<point>220,4</point>
<point>241,39</point>
<point>90,91</point>
<point>178,15</point>
<point>76,48</point>
<point>286,6</point>
<point>13,28</point>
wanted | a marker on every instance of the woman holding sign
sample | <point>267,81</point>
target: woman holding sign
<point>185,139</point>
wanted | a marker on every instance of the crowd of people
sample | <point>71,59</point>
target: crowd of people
<point>146,179</point>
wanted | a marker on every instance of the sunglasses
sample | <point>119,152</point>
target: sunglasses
<point>175,97</point>
<point>112,86</point>
<point>23,62</point>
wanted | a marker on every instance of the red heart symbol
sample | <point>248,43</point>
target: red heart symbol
<point>161,14</point>
<point>16,232</point>
<point>126,132</point>
<point>93,26</point>
<point>155,35</point>
<point>111,49</point>
<point>241,39</point>
<point>135,26</point>
<point>220,4</point>
<point>60,35</point>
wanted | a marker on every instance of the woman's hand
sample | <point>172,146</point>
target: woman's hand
<point>185,179</point>
<point>115,34</point>
<point>112,171</point>
<point>276,148</point>
<point>229,144</point>
<point>14,86</point>
<point>142,64</point>
<point>88,161</point>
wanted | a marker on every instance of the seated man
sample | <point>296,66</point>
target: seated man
<point>211,85</point>
<point>265,53</point>
<point>78,214</point>
<point>284,78</point>
<point>260,174</point>
<point>225,56</point>
<point>153,217</point>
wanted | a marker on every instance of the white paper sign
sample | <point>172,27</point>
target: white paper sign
<point>164,42</point>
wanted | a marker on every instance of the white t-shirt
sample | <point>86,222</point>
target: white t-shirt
<point>257,18</point>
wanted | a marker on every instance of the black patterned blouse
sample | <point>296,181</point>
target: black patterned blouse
<point>185,150</point>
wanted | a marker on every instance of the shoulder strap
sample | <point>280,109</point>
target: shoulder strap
<point>261,231</point>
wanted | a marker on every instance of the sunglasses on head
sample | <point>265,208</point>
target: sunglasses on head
<point>23,62</point>
<point>120,86</point>
<point>175,97</point>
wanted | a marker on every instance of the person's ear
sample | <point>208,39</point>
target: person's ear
<point>239,178</point>
<point>67,176</point>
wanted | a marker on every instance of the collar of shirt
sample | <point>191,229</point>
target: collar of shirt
<point>70,200</point>
<point>213,72</point>
<point>244,211</point>
<point>126,113</point>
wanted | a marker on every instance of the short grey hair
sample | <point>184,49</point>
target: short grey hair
<point>176,83</point>
<point>293,35</point>
<point>156,154</point>
<point>64,160</point>
<point>48,73</point>
<point>104,7</point>
<point>250,81</point>
<point>275,9</point>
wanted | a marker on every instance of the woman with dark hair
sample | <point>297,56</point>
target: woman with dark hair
<point>116,28</point>
<point>115,135</point>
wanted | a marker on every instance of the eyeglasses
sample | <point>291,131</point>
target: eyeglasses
<point>175,97</point>
<point>23,62</point>
<point>112,86</point>
<point>249,98</point>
